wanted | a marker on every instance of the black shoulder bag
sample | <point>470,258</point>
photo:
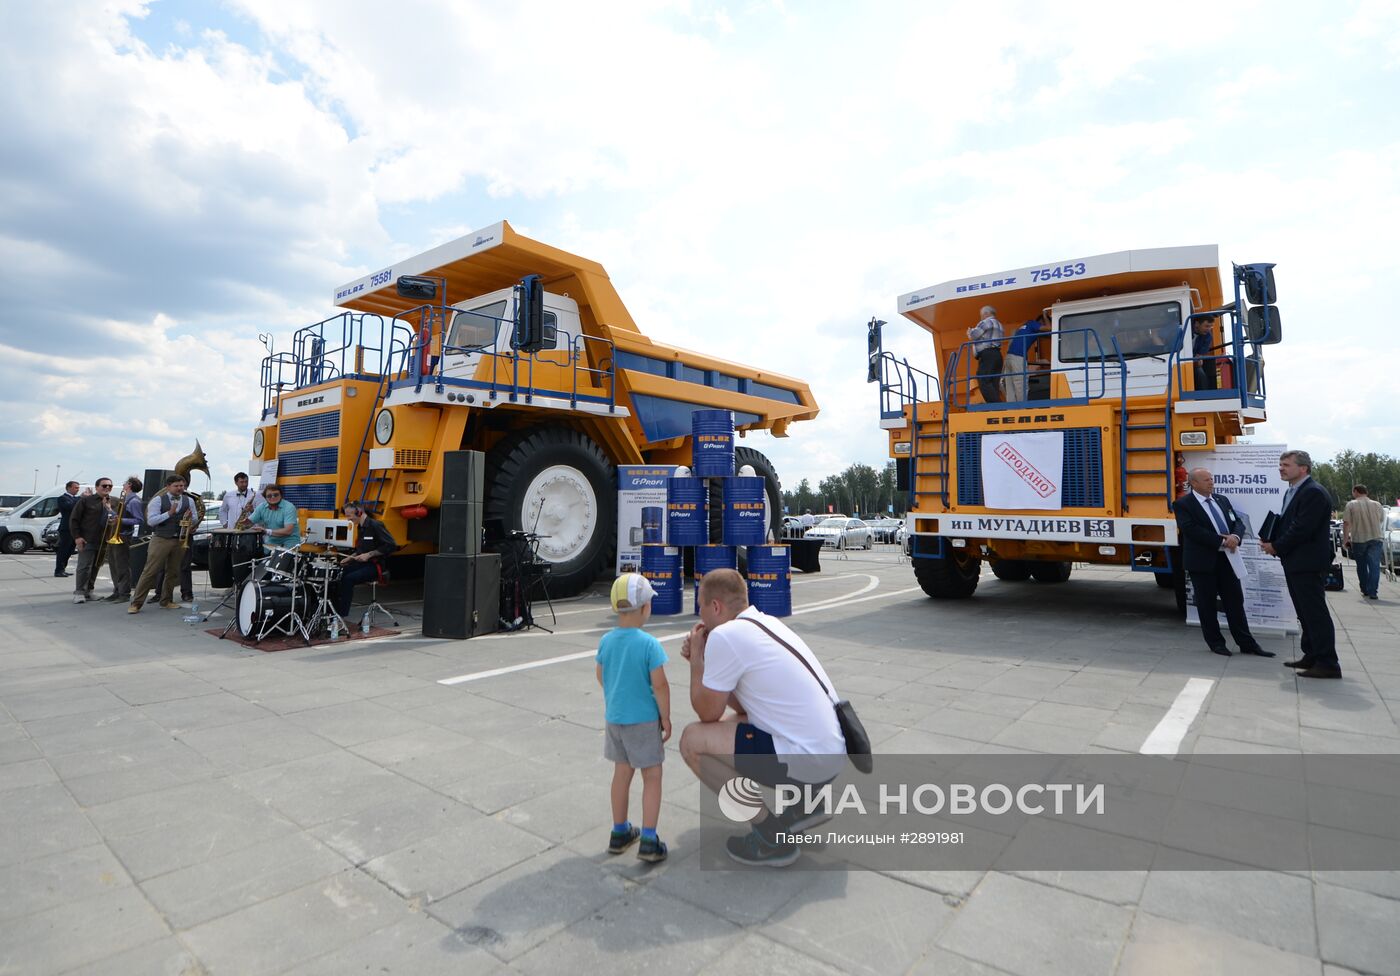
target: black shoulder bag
<point>857,741</point>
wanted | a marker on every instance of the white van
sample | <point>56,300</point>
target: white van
<point>23,528</point>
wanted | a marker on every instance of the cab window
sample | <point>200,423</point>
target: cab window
<point>1145,330</point>
<point>476,327</point>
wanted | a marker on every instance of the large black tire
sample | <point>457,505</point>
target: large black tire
<point>16,544</point>
<point>1178,581</point>
<point>1164,580</point>
<point>1050,572</point>
<point>948,578</point>
<point>573,506</point>
<point>1011,570</point>
<point>773,489</point>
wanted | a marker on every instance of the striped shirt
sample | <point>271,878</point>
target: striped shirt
<point>986,334</point>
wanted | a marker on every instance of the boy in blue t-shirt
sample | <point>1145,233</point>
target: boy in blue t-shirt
<point>638,713</point>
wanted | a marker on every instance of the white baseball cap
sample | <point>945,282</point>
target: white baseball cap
<point>631,591</point>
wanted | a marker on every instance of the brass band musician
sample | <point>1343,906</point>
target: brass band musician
<point>90,524</point>
<point>238,504</point>
<point>171,516</point>
<point>133,524</point>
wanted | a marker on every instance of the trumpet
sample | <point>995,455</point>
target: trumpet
<point>186,523</point>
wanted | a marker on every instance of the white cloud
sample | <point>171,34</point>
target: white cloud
<point>758,180</point>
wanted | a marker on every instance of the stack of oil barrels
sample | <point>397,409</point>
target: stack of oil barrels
<point>686,523</point>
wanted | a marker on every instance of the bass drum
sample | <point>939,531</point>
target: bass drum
<point>272,607</point>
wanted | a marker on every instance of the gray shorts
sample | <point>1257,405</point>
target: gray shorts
<point>638,745</point>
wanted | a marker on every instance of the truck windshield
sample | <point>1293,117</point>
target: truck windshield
<point>477,327</point>
<point>1143,330</point>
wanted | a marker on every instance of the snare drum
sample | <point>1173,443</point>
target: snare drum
<point>281,564</point>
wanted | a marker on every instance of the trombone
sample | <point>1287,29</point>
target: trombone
<point>115,539</point>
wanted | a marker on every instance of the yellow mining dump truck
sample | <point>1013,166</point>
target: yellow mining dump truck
<point>1129,360</point>
<point>501,344</point>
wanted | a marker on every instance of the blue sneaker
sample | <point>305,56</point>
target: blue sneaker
<point>619,842</point>
<point>652,849</point>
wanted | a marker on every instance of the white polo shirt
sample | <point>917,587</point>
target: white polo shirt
<point>777,692</point>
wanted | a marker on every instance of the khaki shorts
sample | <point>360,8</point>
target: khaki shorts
<point>638,745</point>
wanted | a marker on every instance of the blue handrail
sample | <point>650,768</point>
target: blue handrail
<point>964,383</point>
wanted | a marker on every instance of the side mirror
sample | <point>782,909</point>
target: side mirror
<point>529,315</point>
<point>1259,286</point>
<point>872,350</point>
<point>417,287</point>
<point>1262,325</point>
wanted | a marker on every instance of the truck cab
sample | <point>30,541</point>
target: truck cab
<point>1139,355</point>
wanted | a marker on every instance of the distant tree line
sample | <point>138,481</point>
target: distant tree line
<point>1380,473</point>
<point>859,488</point>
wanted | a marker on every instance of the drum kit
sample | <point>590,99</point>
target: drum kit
<point>286,593</point>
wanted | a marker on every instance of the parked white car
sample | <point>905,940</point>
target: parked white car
<point>23,528</point>
<point>840,532</point>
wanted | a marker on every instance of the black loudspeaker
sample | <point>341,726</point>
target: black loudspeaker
<point>463,476</point>
<point>459,528</point>
<point>153,482</point>
<point>461,595</point>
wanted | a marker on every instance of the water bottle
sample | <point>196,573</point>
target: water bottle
<point>335,627</point>
<point>364,622</point>
<point>193,616</point>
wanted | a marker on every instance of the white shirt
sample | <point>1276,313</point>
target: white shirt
<point>776,691</point>
<point>808,520</point>
<point>233,505</point>
<point>1208,503</point>
<point>154,516</point>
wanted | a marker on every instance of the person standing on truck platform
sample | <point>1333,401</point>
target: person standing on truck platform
<point>1361,532</point>
<point>66,547</point>
<point>1303,543</point>
<point>1202,352</point>
<point>986,338</point>
<point>1017,355</point>
<point>1210,532</point>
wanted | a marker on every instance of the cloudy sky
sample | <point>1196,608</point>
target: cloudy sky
<point>758,178</point>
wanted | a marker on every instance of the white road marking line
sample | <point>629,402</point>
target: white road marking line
<point>478,675</point>
<point>1166,738</point>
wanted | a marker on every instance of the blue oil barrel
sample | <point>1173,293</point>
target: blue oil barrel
<point>743,512</point>
<point>770,579</point>
<point>662,566</point>
<point>687,511</point>
<point>712,557</point>
<point>652,525</point>
<point>712,447</point>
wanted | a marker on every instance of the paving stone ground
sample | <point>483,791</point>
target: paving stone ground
<point>175,804</point>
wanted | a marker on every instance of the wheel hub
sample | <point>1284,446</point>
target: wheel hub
<point>562,508</point>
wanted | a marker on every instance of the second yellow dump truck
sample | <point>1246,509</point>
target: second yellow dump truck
<point>1069,451</point>
<point>502,344</point>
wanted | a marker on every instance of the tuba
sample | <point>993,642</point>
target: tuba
<point>193,461</point>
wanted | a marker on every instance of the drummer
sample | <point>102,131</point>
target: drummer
<point>372,544</point>
<point>277,520</point>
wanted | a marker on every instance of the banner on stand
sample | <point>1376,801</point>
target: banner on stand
<point>1247,474</point>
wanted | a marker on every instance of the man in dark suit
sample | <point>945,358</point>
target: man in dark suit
<point>1302,540</point>
<point>66,546</point>
<point>1210,529</point>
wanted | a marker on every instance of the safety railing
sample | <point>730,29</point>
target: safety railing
<point>348,344</point>
<point>1216,374</point>
<point>902,385</point>
<point>590,361</point>
<point>964,361</point>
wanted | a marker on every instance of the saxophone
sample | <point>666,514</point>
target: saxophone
<point>242,521</point>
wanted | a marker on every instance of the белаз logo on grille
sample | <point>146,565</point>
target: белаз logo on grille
<point>740,799</point>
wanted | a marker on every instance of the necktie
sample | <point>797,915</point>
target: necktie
<point>1216,517</point>
<point>1288,497</point>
